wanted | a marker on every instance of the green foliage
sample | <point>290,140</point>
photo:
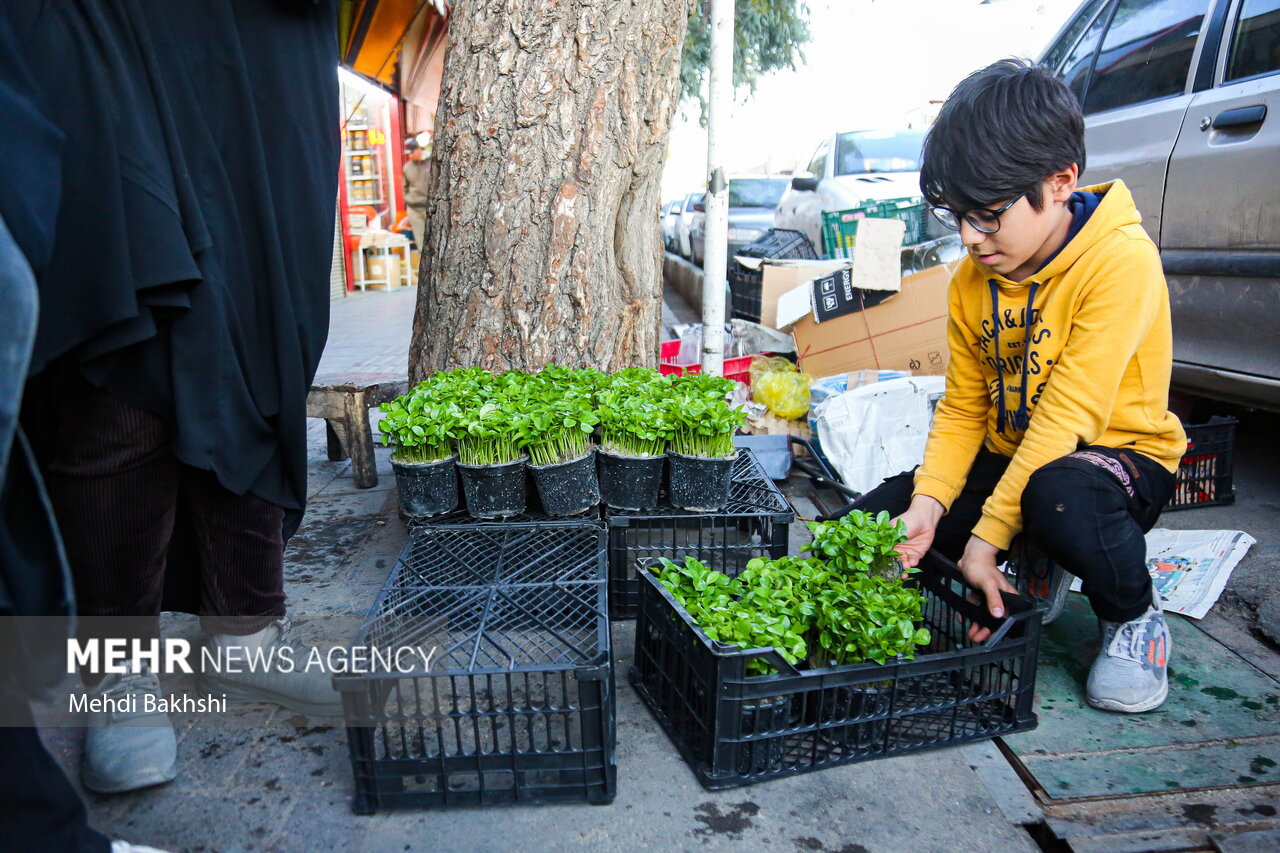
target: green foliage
<point>490,434</point>
<point>702,424</point>
<point>806,609</point>
<point>768,35</point>
<point>861,618</point>
<point>634,413</point>
<point>715,603</point>
<point>557,415</point>
<point>425,423</point>
<point>859,542</point>
<point>490,419</point>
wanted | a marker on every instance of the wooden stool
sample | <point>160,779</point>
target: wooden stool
<point>344,403</point>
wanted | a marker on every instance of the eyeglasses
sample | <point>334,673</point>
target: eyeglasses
<point>982,219</point>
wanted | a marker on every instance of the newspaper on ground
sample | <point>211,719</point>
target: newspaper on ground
<point>1190,568</point>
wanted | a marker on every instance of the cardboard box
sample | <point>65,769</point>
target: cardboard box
<point>383,272</point>
<point>778,277</point>
<point>907,331</point>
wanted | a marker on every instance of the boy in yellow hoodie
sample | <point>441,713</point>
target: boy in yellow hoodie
<point>1055,422</point>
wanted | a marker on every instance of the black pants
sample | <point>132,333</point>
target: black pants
<point>39,810</point>
<point>1088,511</point>
<point>116,488</point>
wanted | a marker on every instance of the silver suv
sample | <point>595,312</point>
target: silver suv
<point>1182,101</point>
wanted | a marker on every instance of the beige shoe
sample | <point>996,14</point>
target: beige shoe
<point>307,691</point>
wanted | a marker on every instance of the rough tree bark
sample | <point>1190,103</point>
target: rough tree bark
<point>542,237</point>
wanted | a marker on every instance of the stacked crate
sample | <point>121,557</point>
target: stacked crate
<point>510,694</point>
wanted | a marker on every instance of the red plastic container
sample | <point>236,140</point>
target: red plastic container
<point>738,369</point>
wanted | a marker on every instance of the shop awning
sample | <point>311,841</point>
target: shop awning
<point>372,33</point>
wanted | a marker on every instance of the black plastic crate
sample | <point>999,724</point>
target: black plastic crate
<point>744,292</point>
<point>737,729</point>
<point>517,704</point>
<point>780,243</point>
<point>755,523</point>
<point>745,284</point>
<point>1204,474</point>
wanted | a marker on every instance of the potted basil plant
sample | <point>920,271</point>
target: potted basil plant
<point>634,427</point>
<point>490,458</point>
<point>422,426</point>
<point>701,449</point>
<point>555,428</point>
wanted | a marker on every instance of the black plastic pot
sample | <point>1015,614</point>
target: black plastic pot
<point>759,717</point>
<point>568,488</point>
<point>494,491</point>
<point>700,484</point>
<point>427,489</point>
<point>854,704</point>
<point>630,482</point>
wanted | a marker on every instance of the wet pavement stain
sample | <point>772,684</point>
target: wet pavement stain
<point>1261,765</point>
<point>1223,693</point>
<point>733,822</point>
<point>1262,810</point>
<point>817,846</point>
<point>1201,813</point>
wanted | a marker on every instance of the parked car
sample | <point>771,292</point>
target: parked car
<point>752,200</point>
<point>1182,101</point>
<point>692,204</point>
<point>671,213</point>
<point>849,169</point>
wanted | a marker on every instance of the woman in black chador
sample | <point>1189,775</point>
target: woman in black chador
<point>182,318</point>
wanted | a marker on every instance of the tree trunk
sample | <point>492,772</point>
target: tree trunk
<point>542,239</point>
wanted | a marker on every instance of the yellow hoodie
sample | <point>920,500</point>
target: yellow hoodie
<point>1080,353</point>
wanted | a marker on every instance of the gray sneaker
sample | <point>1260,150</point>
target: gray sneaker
<point>307,691</point>
<point>1131,673</point>
<point>125,746</point>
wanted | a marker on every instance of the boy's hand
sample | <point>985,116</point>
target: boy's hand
<point>921,519</point>
<point>978,565</point>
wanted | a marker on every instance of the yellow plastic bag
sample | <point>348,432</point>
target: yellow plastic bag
<point>785,393</point>
<point>763,364</point>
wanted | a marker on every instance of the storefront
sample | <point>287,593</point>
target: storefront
<point>392,64</point>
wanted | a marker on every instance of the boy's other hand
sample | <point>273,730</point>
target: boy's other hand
<point>978,565</point>
<point>921,519</point>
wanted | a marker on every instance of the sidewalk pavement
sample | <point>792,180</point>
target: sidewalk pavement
<point>286,785</point>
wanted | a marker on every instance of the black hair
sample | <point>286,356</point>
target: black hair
<point>1002,131</point>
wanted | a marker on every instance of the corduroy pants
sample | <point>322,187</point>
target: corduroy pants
<point>116,489</point>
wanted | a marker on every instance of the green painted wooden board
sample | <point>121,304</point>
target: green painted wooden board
<point>1220,725</point>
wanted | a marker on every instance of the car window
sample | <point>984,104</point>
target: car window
<point>1146,53</point>
<point>1255,46</point>
<point>818,165</point>
<point>1075,72</point>
<point>1058,52</point>
<point>865,151</point>
<point>756,192</point>
<point>677,207</point>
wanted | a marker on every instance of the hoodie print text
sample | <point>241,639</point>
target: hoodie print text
<point>1008,343</point>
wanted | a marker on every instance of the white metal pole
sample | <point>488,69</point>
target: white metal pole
<point>716,227</point>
